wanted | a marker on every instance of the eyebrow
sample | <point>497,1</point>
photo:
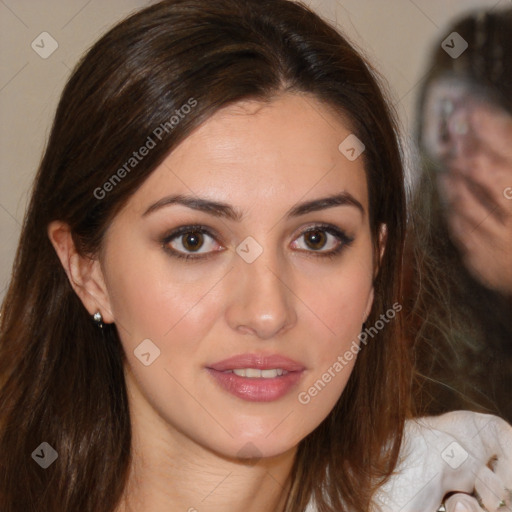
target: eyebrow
<point>225,210</point>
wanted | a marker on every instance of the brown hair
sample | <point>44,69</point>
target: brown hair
<point>461,329</point>
<point>61,379</point>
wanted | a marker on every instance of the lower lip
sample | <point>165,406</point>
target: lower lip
<point>257,389</point>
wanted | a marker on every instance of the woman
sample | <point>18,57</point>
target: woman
<point>462,233</point>
<point>219,209</point>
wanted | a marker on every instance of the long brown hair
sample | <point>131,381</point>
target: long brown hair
<point>61,379</point>
<point>461,329</point>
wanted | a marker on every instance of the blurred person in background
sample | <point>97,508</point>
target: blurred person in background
<point>460,243</point>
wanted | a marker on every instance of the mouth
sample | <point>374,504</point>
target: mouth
<point>257,377</point>
<point>256,373</point>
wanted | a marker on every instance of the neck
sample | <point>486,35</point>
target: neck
<point>170,472</point>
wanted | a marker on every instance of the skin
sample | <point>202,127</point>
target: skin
<point>188,432</point>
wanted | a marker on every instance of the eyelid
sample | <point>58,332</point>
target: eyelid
<point>323,226</point>
<point>338,233</point>
<point>182,230</point>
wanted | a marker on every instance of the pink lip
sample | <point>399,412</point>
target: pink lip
<point>257,389</point>
<point>260,361</point>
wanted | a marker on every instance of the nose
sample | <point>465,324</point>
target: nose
<point>261,303</point>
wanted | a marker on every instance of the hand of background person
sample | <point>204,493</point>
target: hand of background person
<point>477,191</point>
<point>461,452</point>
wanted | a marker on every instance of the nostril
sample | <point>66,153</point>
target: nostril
<point>492,462</point>
<point>245,330</point>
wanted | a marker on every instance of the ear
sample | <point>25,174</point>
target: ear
<point>369,305</point>
<point>84,273</point>
<point>381,248</point>
<point>383,235</point>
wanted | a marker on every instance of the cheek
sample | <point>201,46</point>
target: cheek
<point>341,302</point>
<point>339,307</point>
<point>343,314</point>
<point>344,308</point>
<point>154,299</point>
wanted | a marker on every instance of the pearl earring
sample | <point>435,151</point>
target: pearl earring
<point>98,319</point>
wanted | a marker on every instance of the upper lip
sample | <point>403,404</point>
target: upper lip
<point>260,361</point>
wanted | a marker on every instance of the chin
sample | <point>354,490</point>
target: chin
<point>251,449</point>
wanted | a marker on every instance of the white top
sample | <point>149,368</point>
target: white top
<point>446,454</point>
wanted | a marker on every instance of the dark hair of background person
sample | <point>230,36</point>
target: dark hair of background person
<point>461,329</point>
<point>61,378</point>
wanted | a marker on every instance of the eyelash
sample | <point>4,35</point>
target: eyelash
<point>342,237</point>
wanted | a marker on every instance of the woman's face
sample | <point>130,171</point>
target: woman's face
<point>278,278</point>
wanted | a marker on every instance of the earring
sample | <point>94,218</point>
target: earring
<point>98,319</point>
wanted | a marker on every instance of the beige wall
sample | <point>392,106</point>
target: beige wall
<point>394,34</point>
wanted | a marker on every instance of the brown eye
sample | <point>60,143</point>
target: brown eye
<point>192,241</point>
<point>315,239</point>
<point>325,240</point>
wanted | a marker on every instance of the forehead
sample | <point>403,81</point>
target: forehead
<point>276,152</point>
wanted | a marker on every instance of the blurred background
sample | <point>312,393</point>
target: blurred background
<point>42,41</point>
